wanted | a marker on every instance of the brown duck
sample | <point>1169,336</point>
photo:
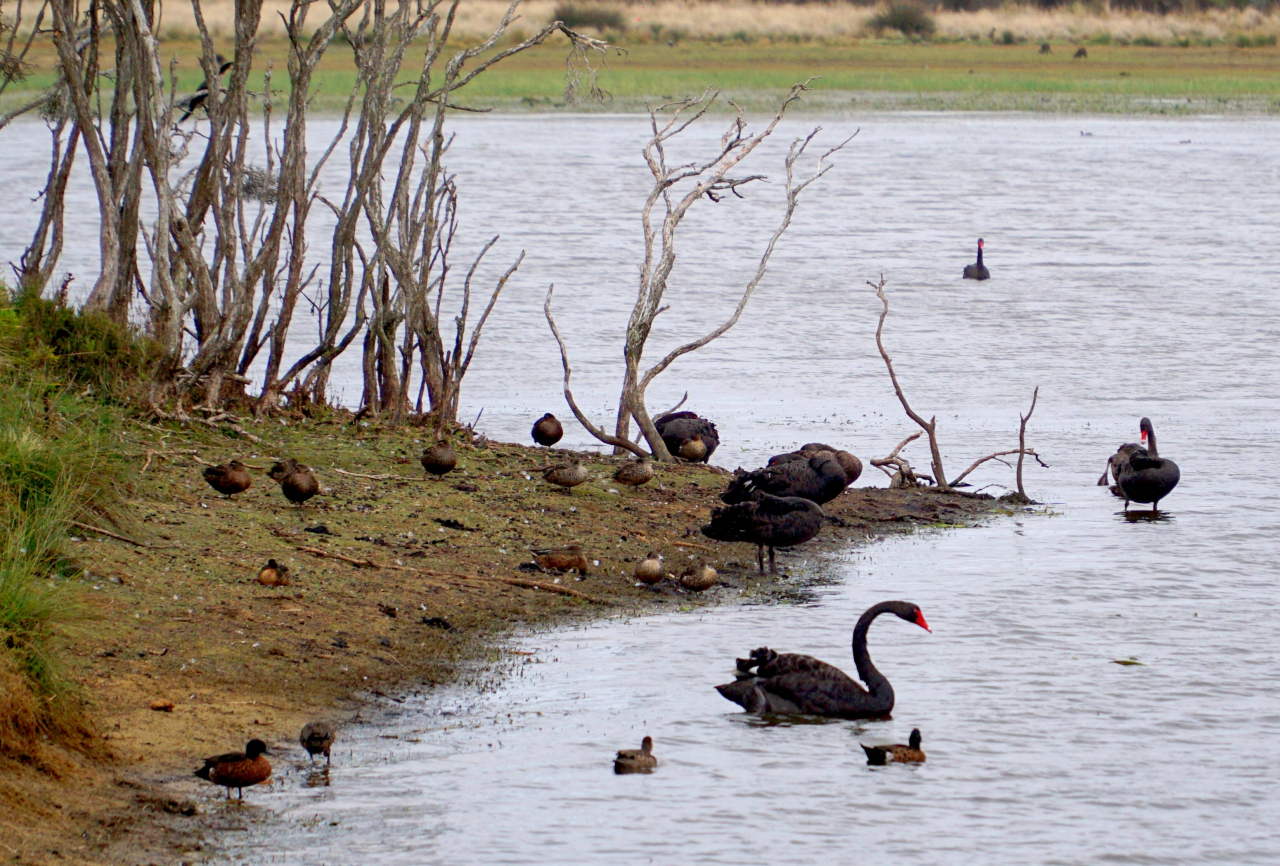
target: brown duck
<point>649,570</point>
<point>317,738</point>
<point>297,482</point>
<point>697,578</point>
<point>439,459</point>
<point>570,558</point>
<point>228,478</point>
<point>639,760</point>
<point>547,430</point>
<point>273,574</point>
<point>238,770</point>
<point>896,754</point>
<point>567,475</point>
<point>633,473</point>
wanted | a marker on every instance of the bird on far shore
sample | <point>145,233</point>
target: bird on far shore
<point>317,738</point>
<point>878,756</point>
<point>238,770</point>
<point>977,271</point>
<point>639,760</point>
<point>297,482</point>
<point>547,430</point>
<point>228,478</point>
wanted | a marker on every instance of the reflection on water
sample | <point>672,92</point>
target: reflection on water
<point>1131,276</point>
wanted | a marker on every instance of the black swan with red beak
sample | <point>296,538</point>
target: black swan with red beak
<point>787,683</point>
<point>978,271</point>
<point>1146,476</point>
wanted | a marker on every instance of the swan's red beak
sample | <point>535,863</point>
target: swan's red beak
<point>920,622</point>
<point>1144,435</point>
<point>980,244</point>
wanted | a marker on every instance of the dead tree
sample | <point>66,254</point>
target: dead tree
<point>901,474</point>
<point>676,188</point>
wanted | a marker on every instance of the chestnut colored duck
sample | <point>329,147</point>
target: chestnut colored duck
<point>878,756</point>
<point>297,482</point>
<point>439,460</point>
<point>639,760</point>
<point>788,683</point>
<point>238,770</point>
<point>547,430</point>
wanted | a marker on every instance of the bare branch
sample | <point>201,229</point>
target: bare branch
<point>1022,440</point>
<point>616,441</point>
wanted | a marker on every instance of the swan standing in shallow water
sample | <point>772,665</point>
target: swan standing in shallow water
<point>787,683</point>
<point>1147,477</point>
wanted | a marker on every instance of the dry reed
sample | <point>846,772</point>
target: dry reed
<point>834,21</point>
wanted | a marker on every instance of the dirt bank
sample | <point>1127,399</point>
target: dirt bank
<point>397,582</point>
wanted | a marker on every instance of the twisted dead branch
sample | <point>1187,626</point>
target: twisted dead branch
<point>677,188</point>
<point>902,474</point>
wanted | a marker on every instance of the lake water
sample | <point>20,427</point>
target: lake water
<point>1132,274</point>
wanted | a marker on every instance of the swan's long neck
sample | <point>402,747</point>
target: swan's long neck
<point>979,256</point>
<point>877,685</point>
<point>1151,442</point>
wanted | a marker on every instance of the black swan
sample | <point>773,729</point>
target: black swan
<point>848,461</point>
<point>196,100</point>
<point>677,428</point>
<point>819,479</point>
<point>789,683</point>
<point>547,430</point>
<point>897,753</point>
<point>1147,477</point>
<point>978,271</point>
<point>770,521</point>
<point>639,760</point>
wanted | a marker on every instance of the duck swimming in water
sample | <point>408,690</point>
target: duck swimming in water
<point>639,760</point>
<point>878,756</point>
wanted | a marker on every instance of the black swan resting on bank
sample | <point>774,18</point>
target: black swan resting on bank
<point>1147,477</point>
<point>678,428</point>
<point>787,683</point>
<point>848,461</point>
<point>978,271</point>
<point>819,479</point>
<point>770,521</point>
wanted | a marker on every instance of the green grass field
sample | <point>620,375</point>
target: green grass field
<point>871,73</point>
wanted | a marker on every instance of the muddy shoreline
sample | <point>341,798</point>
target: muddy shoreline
<point>398,583</point>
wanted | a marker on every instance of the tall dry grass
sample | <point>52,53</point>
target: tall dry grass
<point>824,21</point>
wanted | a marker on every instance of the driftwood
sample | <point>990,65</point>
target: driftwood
<point>904,476</point>
<point>123,538</point>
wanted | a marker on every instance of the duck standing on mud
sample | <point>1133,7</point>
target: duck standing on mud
<point>297,482</point>
<point>228,478</point>
<point>238,770</point>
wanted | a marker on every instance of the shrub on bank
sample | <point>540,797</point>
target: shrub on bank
<point>577,16</point>
<point>906,16</point>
